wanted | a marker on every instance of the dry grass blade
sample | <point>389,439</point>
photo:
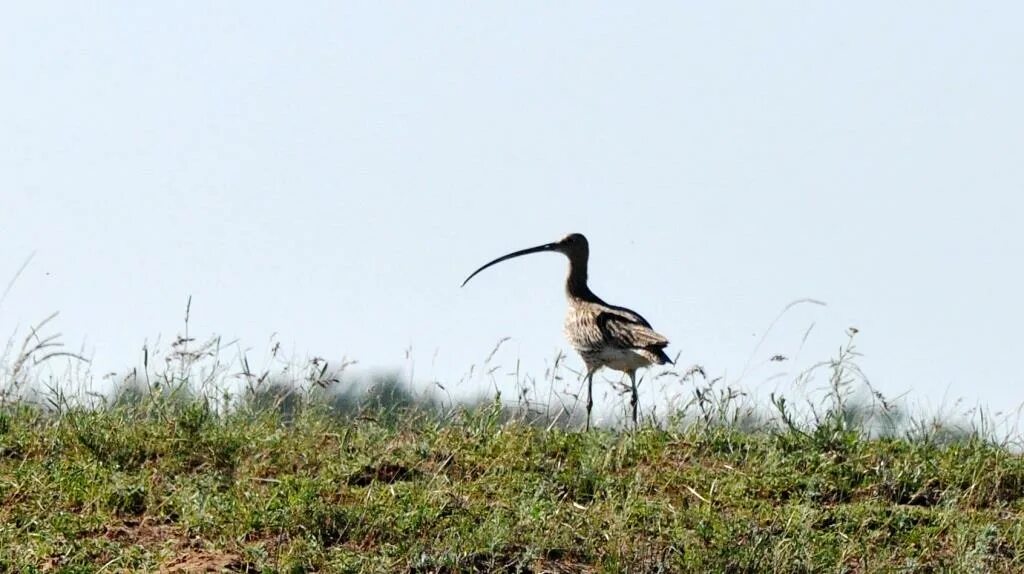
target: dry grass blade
<point>760,341</point>
<point>10,284</point>
<point>40,349</point>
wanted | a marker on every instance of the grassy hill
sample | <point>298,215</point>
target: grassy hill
<point>173,473</point>
<point>176,486</point>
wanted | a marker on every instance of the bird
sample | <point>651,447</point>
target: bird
<point>604,335</point>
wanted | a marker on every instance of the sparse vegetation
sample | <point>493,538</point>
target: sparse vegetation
<point>172,472</point>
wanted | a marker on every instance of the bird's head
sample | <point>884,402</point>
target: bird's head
<point>574,246</point>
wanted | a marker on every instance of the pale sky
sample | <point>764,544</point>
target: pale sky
<point>331,171</point>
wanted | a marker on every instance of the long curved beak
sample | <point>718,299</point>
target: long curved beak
<point>538,249</point>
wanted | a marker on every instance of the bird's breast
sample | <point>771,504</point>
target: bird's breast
<point>581,329</point>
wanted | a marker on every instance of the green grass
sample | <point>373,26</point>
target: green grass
<point>298,471</point>
<point>175,485</point>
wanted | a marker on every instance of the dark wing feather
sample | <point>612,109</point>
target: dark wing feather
<point>627,330</point>
<point>628,314</point>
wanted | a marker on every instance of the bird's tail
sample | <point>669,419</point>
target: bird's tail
<point>663,359</point>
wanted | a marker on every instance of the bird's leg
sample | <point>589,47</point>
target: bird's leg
<point>634,399</point>
<point>590,396</point>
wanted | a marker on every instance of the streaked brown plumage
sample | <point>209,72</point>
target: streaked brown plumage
<point>604,335</point>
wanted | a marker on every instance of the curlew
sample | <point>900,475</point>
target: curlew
<point>604,335</point>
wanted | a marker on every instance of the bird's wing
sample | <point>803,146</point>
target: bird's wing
<point>629,331</point>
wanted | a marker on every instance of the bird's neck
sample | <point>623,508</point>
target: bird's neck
<point>576,282</point>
